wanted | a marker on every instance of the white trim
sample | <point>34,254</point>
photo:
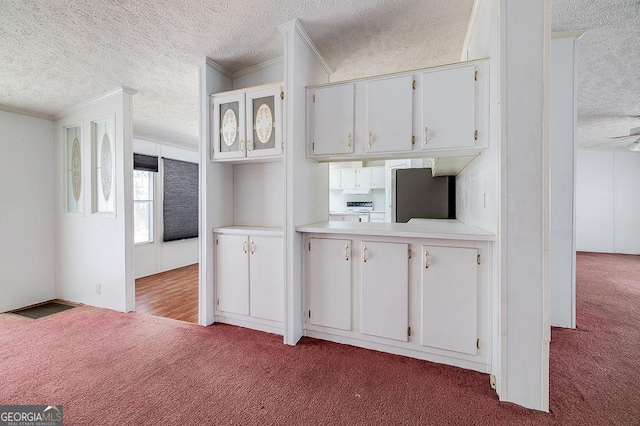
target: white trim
<point>172,144</point>
<point>82,105</point>
<point>258,67</point>
<point>20,111</point>
<point>567,34</point>
<point>294,24</point>
<point>216,66</point>
<point>471,26</point>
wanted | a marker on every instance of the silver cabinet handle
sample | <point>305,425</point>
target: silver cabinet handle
<point>426,135</point>
<point>244,246</point>
<point>426,259</point>
<point>241,145</point>
<point>346,251</point>
<point>252,249</point>
<point>249,145</point>
<point>364,254</point>
<point>348,140</point>
<point>369,140</point>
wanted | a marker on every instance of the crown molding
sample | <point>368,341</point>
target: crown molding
<point>295,25</point>
<point>20,111</point>
<point>567,34</point>
<point>77,107</point>
<point>259,67</point>
<point>211,63</point>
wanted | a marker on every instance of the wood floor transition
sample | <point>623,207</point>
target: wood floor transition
<point>172,294</point>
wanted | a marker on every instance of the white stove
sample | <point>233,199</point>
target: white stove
<point>362,208</point>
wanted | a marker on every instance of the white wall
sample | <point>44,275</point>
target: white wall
<point>28,211</point>
<point>562,154</point>
<point>268,72</point>
<point>160,256</point>
<point>95,248</point>
<point>607,202</point>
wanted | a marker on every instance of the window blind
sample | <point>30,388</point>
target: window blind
<point>145,163</point>
<point>180,202</point>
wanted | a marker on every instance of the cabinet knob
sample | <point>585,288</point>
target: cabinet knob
<point>348,140</point>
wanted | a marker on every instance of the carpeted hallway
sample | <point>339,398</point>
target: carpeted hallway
<point>106,367</point>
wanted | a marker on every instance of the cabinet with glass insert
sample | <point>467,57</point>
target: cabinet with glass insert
<point>247,124</point>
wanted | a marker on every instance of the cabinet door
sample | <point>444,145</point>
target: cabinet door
<point>232,274</point>
<point>334,179</point>
<point>377,178</point>
<point>385,289</point>
<point>266,278</point>
<point>448,108</point>
<point>390,115</point>
<point>348,178</point>
<point>450,298</point>
<point>363,178</point>
<point>329,278</point>
<point>333,118</point>
<point>264,118</point>
<point>228,118</point>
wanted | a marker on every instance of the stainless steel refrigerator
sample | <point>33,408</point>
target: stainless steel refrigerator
<point>417,194</point>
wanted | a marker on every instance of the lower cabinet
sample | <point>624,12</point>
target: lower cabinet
<point>329,283</point>
<point>413,296</point>
<point>250,276</point>
<point>385,289</point>
<point>450,298</point>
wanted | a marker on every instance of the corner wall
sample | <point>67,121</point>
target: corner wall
<point>28,211</point>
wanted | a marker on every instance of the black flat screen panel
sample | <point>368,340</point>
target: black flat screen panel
<point>180,202</point>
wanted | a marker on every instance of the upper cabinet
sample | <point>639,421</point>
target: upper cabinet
<point>247,124</point>
<point>434,112</point>
<point>331,120</point>
<point>449,109</point>
<point>389,115</point>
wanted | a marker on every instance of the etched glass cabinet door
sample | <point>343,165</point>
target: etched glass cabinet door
<point>264,130</point>
<point>229,136</point>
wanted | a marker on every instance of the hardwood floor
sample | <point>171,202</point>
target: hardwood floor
<point>171,294</point>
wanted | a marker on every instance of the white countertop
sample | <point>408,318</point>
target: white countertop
<point>346,213</point>
<point>264,231</point>
<point>447,229</point>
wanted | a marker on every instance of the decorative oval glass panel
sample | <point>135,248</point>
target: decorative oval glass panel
<point>76,169</point>
<point>229,127</point>
<point>264,123</point>
<point>106,163</point>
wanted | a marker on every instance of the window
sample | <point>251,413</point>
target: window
<point>142,206</point>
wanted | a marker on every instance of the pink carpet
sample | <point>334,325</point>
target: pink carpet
<point>106,367</point>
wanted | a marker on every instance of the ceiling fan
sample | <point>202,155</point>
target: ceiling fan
<point>633,133</point>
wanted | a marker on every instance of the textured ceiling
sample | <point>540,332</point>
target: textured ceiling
<point>57,53</point>
<point>608,61</point>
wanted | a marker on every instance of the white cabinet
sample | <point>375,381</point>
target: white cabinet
<point>385,289</point>
<point>250,276</point>
<point>329,283</point>
<point>390,115</point>
<point>450,298</point>
<point>449,108</point>
<point>334,179</point>
<point>378,178</point>
<point>247,124</point>
<point>331,121</point>
<point>377,217</point>
<point>232,274</point>
<point>266,278</point>
<point>348,178</point>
